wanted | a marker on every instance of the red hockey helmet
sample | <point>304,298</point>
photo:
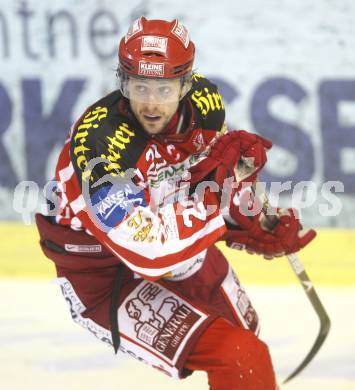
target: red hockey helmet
<point>156,49</point>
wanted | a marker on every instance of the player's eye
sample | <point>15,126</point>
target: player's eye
<point>141,89</point>
<point>165,91</point>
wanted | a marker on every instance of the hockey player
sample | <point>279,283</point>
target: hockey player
<point>141,180</point>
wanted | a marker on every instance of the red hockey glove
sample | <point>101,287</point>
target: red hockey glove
<point>225,154</point>
<point>253,234</point>
<point>253,155</point>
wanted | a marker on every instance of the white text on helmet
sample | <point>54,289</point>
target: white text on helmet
<point>154,43</point>
<point>151,69</point>
<point>135,28</point>
<point>180,31</point>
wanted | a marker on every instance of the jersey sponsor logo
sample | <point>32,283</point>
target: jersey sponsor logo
<point>159,319</point>
<point>83,248</point>
<point>174,172</point>
<point>112,203</point>
<point>154,43</point>
<point>155,69</point>
<point>115,146</point>
<point>159,170</point>
<point>207,101</point>
<point>180,31</point>
<point>240,302</point>
<point>134,29</point>
<point>77,308</point>
<point>142,227</point>
<point>91,121</point>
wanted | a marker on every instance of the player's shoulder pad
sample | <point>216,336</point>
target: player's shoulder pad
<point>103,132</point>
<point>207,103</point>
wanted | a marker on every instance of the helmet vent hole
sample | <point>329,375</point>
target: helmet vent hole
<point>153,54</point>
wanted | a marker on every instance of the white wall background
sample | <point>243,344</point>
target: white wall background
<point>242,43</point>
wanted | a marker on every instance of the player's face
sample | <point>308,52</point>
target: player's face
<point>154,102</point>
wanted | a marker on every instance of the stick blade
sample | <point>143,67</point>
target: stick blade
<point>322,335</point>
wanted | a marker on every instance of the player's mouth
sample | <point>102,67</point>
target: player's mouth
<point>151,118</point>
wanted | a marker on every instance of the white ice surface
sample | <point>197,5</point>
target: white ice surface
<point>40,346</point>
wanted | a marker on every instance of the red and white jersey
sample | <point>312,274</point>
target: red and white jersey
<point>142,216</point>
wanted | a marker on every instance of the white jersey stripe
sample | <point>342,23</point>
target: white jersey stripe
<point>120,235</point>
<point>78,204</point>
<point>151,272</point>
<point>66,173</point>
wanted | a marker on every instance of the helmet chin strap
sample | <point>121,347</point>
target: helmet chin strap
<point>184,92</point>
<point>181,120</point>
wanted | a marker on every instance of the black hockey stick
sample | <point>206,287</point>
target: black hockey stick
<point>309,289</point>
<point>243,170</point>
<point>317,306</point>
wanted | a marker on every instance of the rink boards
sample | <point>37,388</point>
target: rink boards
<point>329,260</point>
